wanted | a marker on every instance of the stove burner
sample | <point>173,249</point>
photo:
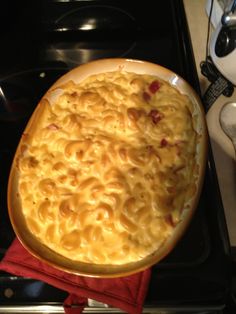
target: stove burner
<point>74,53</point>
<point>94,17</point>
<point>20,92</point>
<point>13,106</point>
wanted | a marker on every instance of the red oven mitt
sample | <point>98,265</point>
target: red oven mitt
<point>127,293</point>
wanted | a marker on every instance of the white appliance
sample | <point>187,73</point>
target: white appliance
<point>222,46</point>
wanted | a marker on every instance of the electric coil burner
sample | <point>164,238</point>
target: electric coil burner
<point>42,40</point>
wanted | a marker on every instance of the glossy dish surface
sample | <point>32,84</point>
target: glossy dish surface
<point>112,158</point>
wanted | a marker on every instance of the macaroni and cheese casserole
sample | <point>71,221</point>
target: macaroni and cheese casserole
<point>107,170</point>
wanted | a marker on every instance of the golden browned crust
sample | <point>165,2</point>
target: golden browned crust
<point>106,170</point>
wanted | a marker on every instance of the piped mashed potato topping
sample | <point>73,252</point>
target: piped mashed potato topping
<point>107,170</point>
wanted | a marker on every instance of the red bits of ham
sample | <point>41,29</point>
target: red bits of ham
<point>146,97</point>
<point>164,142</point>
<point>154,86</point>
<point>169,220</point>
<point>152,89</point>
<point>53,127</point>
<point>155,115</point>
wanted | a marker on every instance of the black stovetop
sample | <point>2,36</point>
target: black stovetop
<point>42,40</point>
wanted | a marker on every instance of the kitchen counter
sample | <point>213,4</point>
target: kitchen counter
<point>222,147</point>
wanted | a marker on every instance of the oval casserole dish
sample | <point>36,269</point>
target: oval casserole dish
<point>39,250</point>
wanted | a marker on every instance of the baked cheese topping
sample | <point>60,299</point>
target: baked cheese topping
<point>105,174</point>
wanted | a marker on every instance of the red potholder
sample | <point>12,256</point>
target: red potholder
<point>127,293</point>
